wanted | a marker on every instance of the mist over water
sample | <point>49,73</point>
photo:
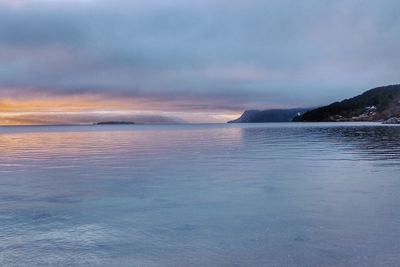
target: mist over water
<point>200,195</point>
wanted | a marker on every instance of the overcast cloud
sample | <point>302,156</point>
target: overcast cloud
<point>220,54</point>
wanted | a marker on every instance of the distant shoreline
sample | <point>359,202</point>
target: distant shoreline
<point>220,123</point>
<point>115,123</point>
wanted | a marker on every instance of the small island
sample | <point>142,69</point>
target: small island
<point>114,123</point>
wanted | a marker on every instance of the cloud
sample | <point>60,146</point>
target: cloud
<point>211,55</point>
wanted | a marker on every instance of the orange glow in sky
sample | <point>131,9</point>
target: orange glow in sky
<point>89,108</point>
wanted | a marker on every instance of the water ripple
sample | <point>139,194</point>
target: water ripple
<point>200,195</point>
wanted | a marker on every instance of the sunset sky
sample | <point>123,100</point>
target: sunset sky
<point>79,61</point>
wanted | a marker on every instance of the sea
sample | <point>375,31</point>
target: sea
<point>273,194</point>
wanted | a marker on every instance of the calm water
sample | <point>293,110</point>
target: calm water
<point>200,195</point>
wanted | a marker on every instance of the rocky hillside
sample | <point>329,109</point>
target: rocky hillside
<point>374,105</point>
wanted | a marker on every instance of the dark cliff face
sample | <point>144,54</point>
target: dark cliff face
<point>272,115</point>
<point>376,104</point>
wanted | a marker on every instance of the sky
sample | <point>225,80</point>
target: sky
<point>78,61</point>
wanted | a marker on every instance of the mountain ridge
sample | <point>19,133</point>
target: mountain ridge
<point>377,104</point>
<point>269,115</point>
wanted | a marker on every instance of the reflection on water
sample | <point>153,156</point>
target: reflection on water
<point>362,142</point>
<point>202,195</point>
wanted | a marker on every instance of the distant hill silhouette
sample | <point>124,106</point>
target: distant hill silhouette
<point>115,123</point>
<point>376,104</point>
<point>269,115</point>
